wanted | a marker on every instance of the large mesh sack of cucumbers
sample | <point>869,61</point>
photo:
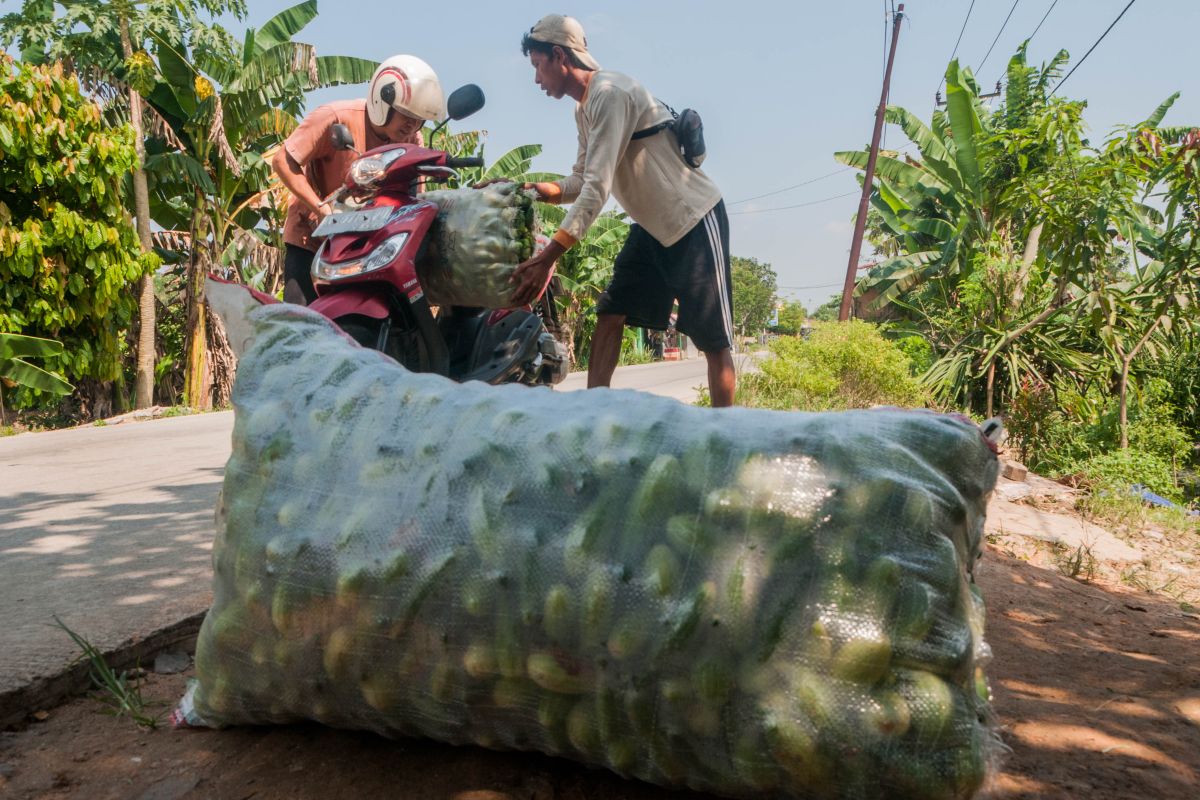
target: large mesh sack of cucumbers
<point>478,239</point>
<point>752,603</point>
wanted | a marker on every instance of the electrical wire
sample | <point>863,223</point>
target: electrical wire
<point>802,288</point>
<point>979,69</point>
<point>1094,46</point>
<point>789,188</point>
<point>960,35</point>
<point>798,205</point>
<point>1043,22</point>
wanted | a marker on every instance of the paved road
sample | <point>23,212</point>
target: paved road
<point>677,379</point>
<point>110,528</point>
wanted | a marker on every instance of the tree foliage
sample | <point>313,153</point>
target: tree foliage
<point>1054,279</point>
<point>1020,250</point>
<point>67,250</point>
<point>839,366</point>
<point>215,110</point>
<point>754,286</point>
<point>791,317</point>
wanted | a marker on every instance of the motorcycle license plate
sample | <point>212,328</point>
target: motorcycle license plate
<point>371,219</point>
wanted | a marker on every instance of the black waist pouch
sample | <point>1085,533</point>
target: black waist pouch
<point>689,134</point>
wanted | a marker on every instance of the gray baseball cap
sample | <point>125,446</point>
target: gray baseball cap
<point>564,32</point>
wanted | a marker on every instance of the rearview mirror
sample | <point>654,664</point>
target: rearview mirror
<point>342,138</point>
<point>464,101</point>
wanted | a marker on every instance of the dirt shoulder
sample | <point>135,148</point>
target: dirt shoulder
<point>1097,689</point>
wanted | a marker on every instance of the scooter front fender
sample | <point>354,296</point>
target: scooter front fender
<point>359,300</point>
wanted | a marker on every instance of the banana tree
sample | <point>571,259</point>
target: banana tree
<point>14,350</point>
<point>938,210</point>
<point>583,272</point>
<point>930,207</point>
<point>226,108</point>
<point>998,229</point>
<point>514,165</point>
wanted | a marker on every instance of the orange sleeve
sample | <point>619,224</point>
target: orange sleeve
<point>310,139</point>
<point>565,239</point>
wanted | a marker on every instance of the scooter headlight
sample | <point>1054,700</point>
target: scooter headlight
<point>386,253</point>
<point>379,258</point>
<point>367,171</point>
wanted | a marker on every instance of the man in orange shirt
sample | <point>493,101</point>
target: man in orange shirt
<point>405,93</point>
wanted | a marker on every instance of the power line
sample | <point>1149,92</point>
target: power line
<point>1094,46</point>
<point>1039,27</point>
<point>957,43</point>
<point>794,186</point>
<point>979,69</point>
<point>798,205</point>
<point>802,288</point>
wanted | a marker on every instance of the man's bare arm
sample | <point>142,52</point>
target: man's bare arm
<point>293,177</point>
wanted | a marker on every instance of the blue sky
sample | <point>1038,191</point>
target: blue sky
<point>781,84</point>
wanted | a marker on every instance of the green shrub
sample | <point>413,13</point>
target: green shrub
<point>1181,374</point>
<point>839,366</point>
<point>1030,421</point>
<point>1062,431</point>
<point>920,353</point>
<point>68,254</point>
<point>1118,470</point>
<point>1153,427</point>
<point>634,349</point>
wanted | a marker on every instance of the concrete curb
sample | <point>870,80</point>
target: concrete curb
<point>49,691</point>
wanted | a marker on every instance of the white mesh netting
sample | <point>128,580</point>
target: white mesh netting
<point>477,241</point>
<point>746,602</point>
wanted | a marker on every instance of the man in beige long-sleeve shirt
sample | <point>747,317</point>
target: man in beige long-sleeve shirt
<point>678,248</point>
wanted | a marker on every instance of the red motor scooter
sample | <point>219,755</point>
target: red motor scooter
<point>366,278</point>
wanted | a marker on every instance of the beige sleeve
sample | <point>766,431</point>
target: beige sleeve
<point>570,185</point>
<point>612,121</point>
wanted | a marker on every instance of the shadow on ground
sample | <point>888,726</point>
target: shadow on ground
<point>109,569</point>
<point>1097,689</point>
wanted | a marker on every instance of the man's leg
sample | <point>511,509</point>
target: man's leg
<point>636,294</point>
<point>606,349</point>
<point>721,378</point>
<point>297,276</point>
<point>698,267</point>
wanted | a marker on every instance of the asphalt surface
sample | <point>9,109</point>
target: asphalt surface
<point>109,528</point>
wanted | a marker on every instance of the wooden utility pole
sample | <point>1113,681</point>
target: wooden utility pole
<point>860,223</point>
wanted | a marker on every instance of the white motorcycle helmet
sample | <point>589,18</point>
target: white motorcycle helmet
<point>409,85</point>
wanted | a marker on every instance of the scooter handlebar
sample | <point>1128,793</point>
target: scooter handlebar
<point>464,162</point>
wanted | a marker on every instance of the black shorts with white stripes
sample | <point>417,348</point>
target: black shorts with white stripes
<point>648,278</point>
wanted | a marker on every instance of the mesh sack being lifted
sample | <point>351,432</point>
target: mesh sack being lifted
<point>478,239</point>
